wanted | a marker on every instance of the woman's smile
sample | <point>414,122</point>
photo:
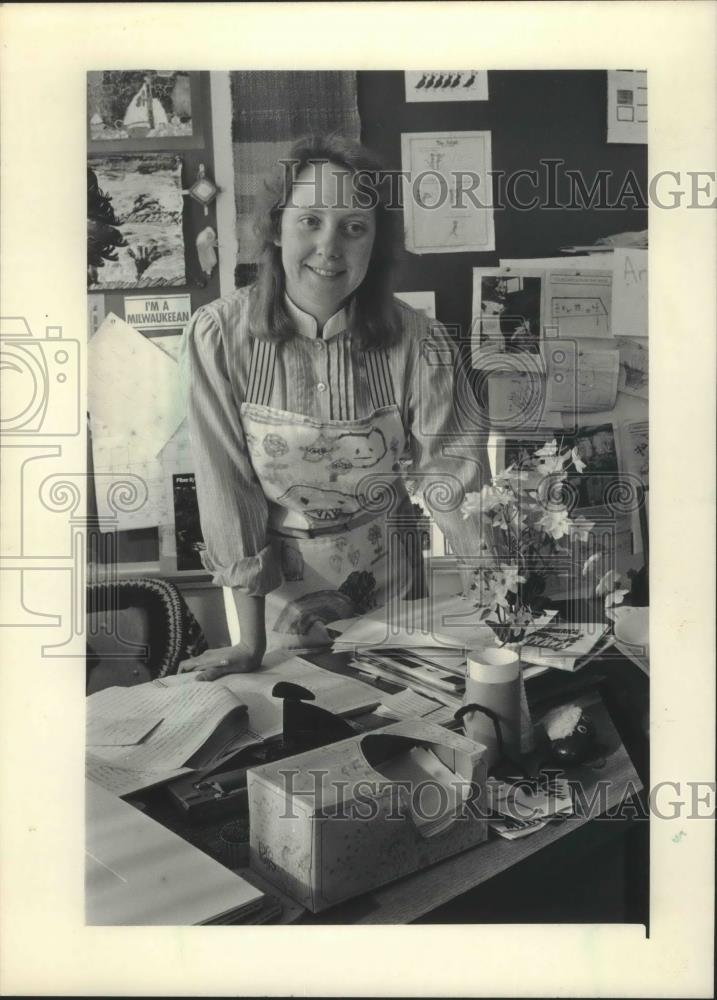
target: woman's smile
<point>323,272</point>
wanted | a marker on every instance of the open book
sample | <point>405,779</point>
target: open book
<point>142,735</point>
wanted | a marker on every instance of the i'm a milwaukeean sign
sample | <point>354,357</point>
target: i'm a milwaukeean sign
<point>162,312</point>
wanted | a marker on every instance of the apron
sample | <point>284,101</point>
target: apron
<point>337,509</point>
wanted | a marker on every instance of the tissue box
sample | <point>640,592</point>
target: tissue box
<point>335,822</point>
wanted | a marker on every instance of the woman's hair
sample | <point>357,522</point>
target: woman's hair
<point>372,312</point>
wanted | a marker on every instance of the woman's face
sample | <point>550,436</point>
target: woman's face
<point>326,240</point>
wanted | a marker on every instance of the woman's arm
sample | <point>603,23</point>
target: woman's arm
<point>232,505</point>
<point>246,655</point>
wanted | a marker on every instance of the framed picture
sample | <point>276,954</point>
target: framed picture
<point>131,110</point>
<point>593,474</point>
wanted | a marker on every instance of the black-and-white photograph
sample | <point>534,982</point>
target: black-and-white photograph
<point>320,414</point>
<point>327,509</point>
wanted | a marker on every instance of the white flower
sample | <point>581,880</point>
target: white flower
<point>510,577</point>
<point>591,561</point>
<point>513,478</point>
<point>555,523</point>
<point>489,498</point>
<point>491,590</point>
<point>548,449</point>
<point>471,505</point>
<point>581,528</point>
<point>607,583</point>
<point>577,460</point>
<point>616,597</point>
<point>553,466</point>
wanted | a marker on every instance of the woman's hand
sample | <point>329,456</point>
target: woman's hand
<point>216,663</point>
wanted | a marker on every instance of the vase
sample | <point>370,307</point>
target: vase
<point>527,730</point>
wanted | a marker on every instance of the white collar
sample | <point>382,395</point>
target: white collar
<point>308,326</point>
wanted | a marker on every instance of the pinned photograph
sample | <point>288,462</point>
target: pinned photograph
<point>634,367</point>
<point>143,108</point>
<point>506,314</point>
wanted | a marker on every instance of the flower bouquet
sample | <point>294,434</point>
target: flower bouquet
<point>526,533</point>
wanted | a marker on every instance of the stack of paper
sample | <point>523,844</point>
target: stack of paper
<point>137,872</point>
<point>521,810</point>
<point>139,736</point>
<point>564,646</point>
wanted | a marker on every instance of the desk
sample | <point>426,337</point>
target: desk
<point>499,875</point>
<point>459,881</point>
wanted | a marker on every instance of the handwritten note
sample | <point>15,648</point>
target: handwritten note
<point>406,705</point>
<point>107,732</point>
<point>123,780</point>
<point>629,293</point>
<point>191,713</point>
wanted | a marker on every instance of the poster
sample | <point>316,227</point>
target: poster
<point>187,529</point>
<point>161,312</point>
<point>447,204</point>
<point>144,195</point>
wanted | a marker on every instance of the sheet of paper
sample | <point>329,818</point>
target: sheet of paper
<point>629,293</point>
<point>406,705</point>
<point>449,622</point>
<point>108,732</point>
<point>521,801</point>
<point>123,780</point>
<point>518,400</point>
<point>599,261</point>
<point>422,301</point>
<point>581,379</point>
<point>577,303</point>
<point>446,85</point>
<point>191,713</point>
<point>131,488</point>
<point>441,716</point>
<point>339,694</point>
<point>634,367</point>
<point>515,829</point>
<point>133,388</point>
<point>447,199</point>
<point>627,105</point>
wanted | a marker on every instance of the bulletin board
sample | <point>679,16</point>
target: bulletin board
<point>547,122</point>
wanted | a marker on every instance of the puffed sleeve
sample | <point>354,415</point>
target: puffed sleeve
<point>446,462</point>
<point>232,506</point>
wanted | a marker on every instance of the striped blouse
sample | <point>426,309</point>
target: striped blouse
<point>327,377</point>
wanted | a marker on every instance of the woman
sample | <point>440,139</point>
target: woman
<point>308,395</point>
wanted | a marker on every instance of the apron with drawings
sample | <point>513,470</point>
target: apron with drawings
<point>332,487</point>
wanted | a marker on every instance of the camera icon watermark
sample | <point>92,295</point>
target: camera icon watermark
<point>40,379</point>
